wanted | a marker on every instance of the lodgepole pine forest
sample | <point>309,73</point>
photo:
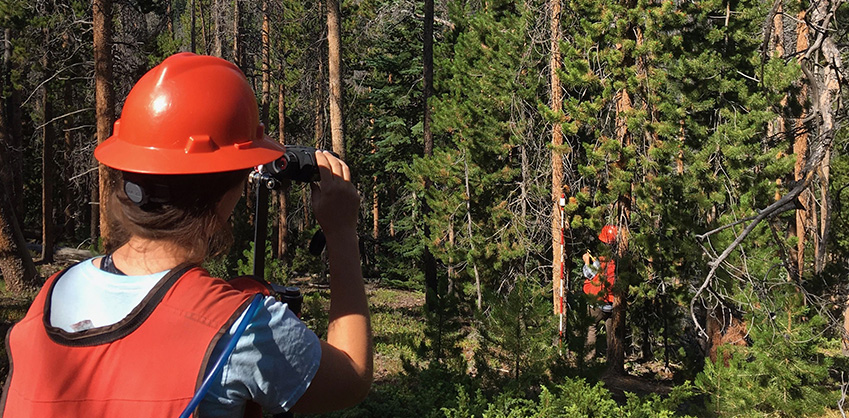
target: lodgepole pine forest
<point>491,142</point>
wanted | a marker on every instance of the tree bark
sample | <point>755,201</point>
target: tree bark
<point>69,205</point>
<point>800,149</point>
<point>556,104</point>
<point>216,28</point>
<point>266,65</point>
<point>429,261</point>
<point>13,168</point>
<point>169,21</point>
<point>47,164</point>
<point>192,44</point>
<point>237,43</point>
<point>617,323</point>
<point>16,264</point>
<point>104,107</point>
<point>334,69</point>
<point>283,210</point>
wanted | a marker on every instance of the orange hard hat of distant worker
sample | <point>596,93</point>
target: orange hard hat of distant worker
<point>608,234</point>
<point>191,114</point>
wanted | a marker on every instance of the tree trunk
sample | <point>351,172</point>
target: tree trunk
<point>204,36</point>
<point>283,211</point>
<point>266,65</point>
<point>334,76</point>
<point>829,87</point>
<point>16,264</point>
<point>556,105</point>
<point>471,236</point>
<point>69,205</point>
<point>169,21</point>
<point>13,168</point>
<point>800,149</point>
<point>429,261</point>
<point>192,44</point>
<point>217,13</point>
<point>237,44</point>
<point>617,322</point>
<point>47,165</point>
<point>104,107</point>
<point>724,328</point>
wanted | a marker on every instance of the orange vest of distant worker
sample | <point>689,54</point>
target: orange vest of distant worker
<point>601,285</point>
<point>147,365</point>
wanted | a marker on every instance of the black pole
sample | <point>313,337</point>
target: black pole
<point>260,228</point>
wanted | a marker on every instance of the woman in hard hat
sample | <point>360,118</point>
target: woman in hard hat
<point>134,333</point>
<point>600,273</point>
<point>599,277</point>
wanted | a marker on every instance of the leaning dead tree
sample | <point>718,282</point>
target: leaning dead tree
<point>824,74</point>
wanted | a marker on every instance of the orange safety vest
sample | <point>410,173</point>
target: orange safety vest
<point>601,284</point>
<point>147,365</point>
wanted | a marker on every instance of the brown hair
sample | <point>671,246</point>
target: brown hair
<point>182,211</point>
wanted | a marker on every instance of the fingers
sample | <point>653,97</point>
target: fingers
<point>333,165</point>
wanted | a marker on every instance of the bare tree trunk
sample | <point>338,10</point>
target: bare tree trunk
<point>375,202</point>
<point>556,105</point>
<point>471,237</point>
<point>283,210</point>
<point>829,87</point>
<point>192,45</point>
<point>14,132</point>
<point>318,116</point>
<point>204,36</point>
<point>617,324</point>
<point>266,65</point>
<point>237,44</point>
<point>169,21</point>
<point>47,165</point>
<point>69,206</point>
<point>104,106</point>
<point>429,261</point>
<point>334,76</point>
<point>800,149</point>
<point>217,12</point>
<point>16,264</point>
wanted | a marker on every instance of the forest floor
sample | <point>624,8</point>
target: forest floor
<point>398,321</point>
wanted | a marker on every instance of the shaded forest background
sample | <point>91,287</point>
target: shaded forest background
<point>491,141</point>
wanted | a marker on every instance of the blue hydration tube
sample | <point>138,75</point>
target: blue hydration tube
<point>219,362</point>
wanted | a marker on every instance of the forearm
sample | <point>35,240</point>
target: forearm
<point>349,327</point>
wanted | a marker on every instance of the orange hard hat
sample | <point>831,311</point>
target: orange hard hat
<point>608,234</point>
<point>191,114</point>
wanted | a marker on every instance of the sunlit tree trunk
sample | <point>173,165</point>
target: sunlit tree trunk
<point>800,149</point>
<point>556,104</point>
<point>266,65</point>
<point>334,76</point>
<point>104,106</point>
<point>616,325</point>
